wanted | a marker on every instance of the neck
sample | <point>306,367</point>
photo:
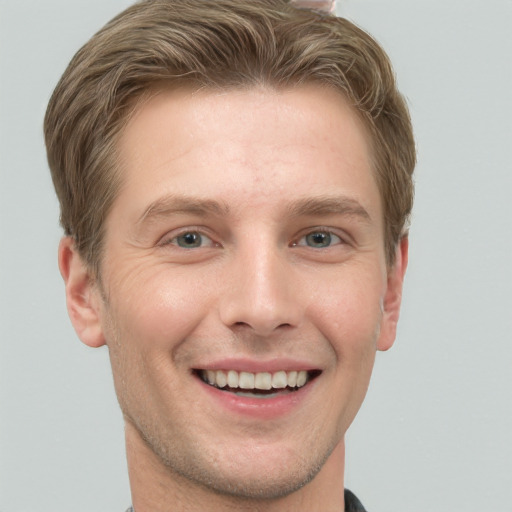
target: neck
<point>156,488</point>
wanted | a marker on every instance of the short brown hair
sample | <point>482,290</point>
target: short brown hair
<point>215,43</point>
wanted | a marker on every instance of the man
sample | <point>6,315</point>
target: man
<point>235,180</point>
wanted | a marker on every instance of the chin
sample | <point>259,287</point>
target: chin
<point>249,483</point>
<point>252,471</point>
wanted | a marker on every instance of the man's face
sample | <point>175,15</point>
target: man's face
<point>245,245</point>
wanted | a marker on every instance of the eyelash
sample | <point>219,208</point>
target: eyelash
<point>324,232</point>
<point>327,233</point>
<point>191,231</point>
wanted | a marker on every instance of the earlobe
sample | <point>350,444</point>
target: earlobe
<point>393,297</point>
<point>82,296</point>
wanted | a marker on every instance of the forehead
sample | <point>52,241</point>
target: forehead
<point>248,146</point>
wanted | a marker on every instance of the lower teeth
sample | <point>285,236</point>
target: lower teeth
<point>256,395</point>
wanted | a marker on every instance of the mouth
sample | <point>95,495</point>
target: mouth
<point>257,385</point>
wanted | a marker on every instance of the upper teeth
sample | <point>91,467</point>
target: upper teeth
<point>262,380</point>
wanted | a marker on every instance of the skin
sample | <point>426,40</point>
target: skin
<point>254,174</point>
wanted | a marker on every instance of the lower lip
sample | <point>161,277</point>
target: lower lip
<point>263,408</point>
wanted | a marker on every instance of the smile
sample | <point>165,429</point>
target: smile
<point>263,384</point>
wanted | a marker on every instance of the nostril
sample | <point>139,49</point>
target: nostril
<point>248,325</point>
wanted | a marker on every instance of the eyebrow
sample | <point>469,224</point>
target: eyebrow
<point>176,204</point>
<point>316,206</point>
<point>329,205</point>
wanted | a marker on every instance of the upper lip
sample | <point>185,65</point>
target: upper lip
<point>257,366</point>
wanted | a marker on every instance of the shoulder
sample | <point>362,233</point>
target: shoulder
<point>352,504</point>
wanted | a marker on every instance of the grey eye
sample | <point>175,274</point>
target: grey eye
<point>189,240</point>
<point>318,239</point>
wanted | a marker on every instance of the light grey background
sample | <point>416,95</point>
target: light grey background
<point>435,433</point>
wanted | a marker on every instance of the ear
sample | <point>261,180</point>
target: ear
<point>82,295</point>
<point>393,297</point>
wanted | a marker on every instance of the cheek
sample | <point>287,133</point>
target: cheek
<point>147,322</point>
<point>348,312</point>
<point>350,321</point>
<point>158,309</point>
<point>348,315</point>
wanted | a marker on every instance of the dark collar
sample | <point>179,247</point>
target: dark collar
<point>352,504</point>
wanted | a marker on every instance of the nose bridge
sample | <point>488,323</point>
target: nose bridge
<point>259,293</point>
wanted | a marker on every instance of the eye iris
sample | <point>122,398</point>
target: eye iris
<point>189,240</point>
<point>318,239</point>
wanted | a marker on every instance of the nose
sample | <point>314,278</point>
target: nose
<point>261,292</point>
